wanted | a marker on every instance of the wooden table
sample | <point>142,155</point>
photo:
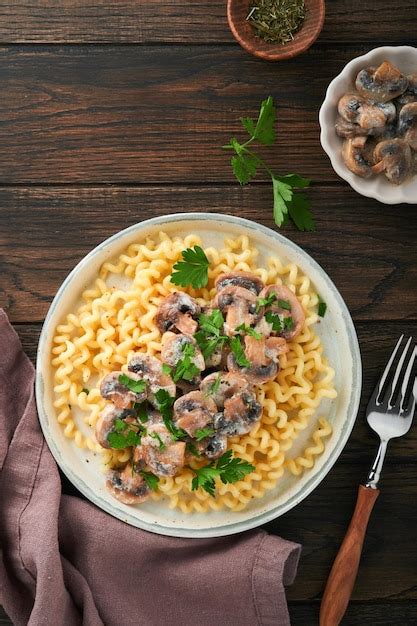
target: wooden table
<point>114,112</point>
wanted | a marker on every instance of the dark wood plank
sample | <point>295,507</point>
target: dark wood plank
<point>367,248</point>
<point>388,569</point>
<point>374,614</point>
<point>156,113</point>
<point>192,22</point>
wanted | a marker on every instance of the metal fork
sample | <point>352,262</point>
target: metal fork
<point>390,413</point>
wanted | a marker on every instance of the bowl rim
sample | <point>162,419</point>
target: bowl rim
<point>358,184</point>
<point>277,52</point>
<point>256,520</point>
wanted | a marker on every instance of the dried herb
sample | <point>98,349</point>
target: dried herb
<point>276,21</point>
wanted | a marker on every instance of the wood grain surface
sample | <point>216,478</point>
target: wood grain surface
<point>97,133</point>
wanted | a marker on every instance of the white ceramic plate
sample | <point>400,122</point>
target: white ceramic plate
<point>341,348</point>
<point>378,187</point>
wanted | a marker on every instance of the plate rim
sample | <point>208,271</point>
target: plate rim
<point>256,520</point>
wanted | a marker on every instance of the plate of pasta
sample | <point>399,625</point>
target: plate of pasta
<point>197,375</point>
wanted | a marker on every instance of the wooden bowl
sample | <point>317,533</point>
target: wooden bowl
<point>244,33</point>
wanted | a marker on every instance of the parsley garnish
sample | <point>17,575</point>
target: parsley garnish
<point>185,369</point>
<point>322,308</point>
<point>245,162</point>
<point>165,402</point>
<point>270,299</point>
<point>275,320</point>
<point>166,369</point>
<point>214,387</point>
<point>190,447</point>
<point>157,436</point>
<point>192,270</point>
<point>284,304</point>
<point>210,336</point>
<point>138,386</point>
<point>150,479</point>
<point>202,433</point>
<point>288,323</point>
<point>125,434</point>
<point>141,410</point>
<point>248,330</point>
<point>229,470</point>
<point>238,352</point>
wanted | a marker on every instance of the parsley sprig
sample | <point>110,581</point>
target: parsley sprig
<point>192,270</point>
<point>210,337</point>
<point>228,469</point>
<point>270,299</point>
<point>150,479</point>
<point>165,403</point>
<point>248,330</point>
<point>245,163</point>
<point>138,386</point>
<point>185,369</point>
<point>125,434</point>
<point>202,433</point>
<point>239,352</point>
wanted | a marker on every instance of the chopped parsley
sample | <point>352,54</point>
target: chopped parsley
<point>166,369</point>
<point>150,479</point>
<point>165,402</point>
<point>322,307</point>
<point>190,447</point>
<point>270,299</point>
<point>185,369</point>
<point>238,352</point>
<point>279,323</point>
<point>228,469</point>
<point>141,409</point>
<point>137,386</point>
<point>192,270</point>
<point>248,330</point>
<point>202,433</point>
<point>125,434</point>
<point>157,436</point>
<point>214,387</point>
<point>210,336</point>
<point>284,304</point>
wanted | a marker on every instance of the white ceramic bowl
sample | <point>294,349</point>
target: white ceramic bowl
<point>341,348</point>
<point>378,187</point>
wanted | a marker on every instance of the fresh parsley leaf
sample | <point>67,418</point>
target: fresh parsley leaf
<point>210,336</point>
<point>150,479</point>
<point>138,386</point>
<point>275,320</point>
<point>270,299</point>
<point>157,436</point>
<point>245,163</point>
<point>85,390</point>
<point>190,447</point>
<point>164,404</point>
<point>212,323</point>
<point>288,323</point>
<point>117,440</point>
<point>284,304</point>
<point>214,387</point>
<point>132,438</point>
<point>300,213</point>
<point>142,411</point>
<point>119,426</point>
<point>166,369</point>
<point>248,330</point>
<point>185,369</point>
<point>228,469</point>
<point>244,167</point>
<point>202,433</point>
<point>322,307</point>
<point>238,352</point>
<point>192,270</point>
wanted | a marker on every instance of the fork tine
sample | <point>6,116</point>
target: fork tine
<point>391,390</point>
<point>386,371</point>
<point>406,380</point>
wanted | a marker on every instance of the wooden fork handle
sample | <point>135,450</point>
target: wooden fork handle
<point>345,568</point>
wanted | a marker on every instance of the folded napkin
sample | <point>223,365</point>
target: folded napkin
<point>65,562</point>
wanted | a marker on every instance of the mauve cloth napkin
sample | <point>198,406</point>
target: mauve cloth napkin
<point>65,562</point>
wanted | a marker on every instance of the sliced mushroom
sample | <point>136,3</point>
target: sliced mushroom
<point>261,369</point>
<point>241,412</point>
<point>296,312</point>
<point>178,311</point>
<point>353,156</point>
<point>381,84</point>
<point>239,279</point>
<point>274,346</point>
<point>356,109</point>
<point>127,485</point>
<point>407,124</point>
<point>239,305</point>
<point>106,421</point>
<point>149,368</point>
<point>348,130</point>
<point>173,351</point>
<point>410,94</point>
<point>194,411</point>
<point>393,157</point>
<point>113,390</point>
<point>229,384</point>
<point>159,452</point>
<point>213,447</point>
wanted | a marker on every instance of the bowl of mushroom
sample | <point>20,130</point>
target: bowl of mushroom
<point>368,124</point>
